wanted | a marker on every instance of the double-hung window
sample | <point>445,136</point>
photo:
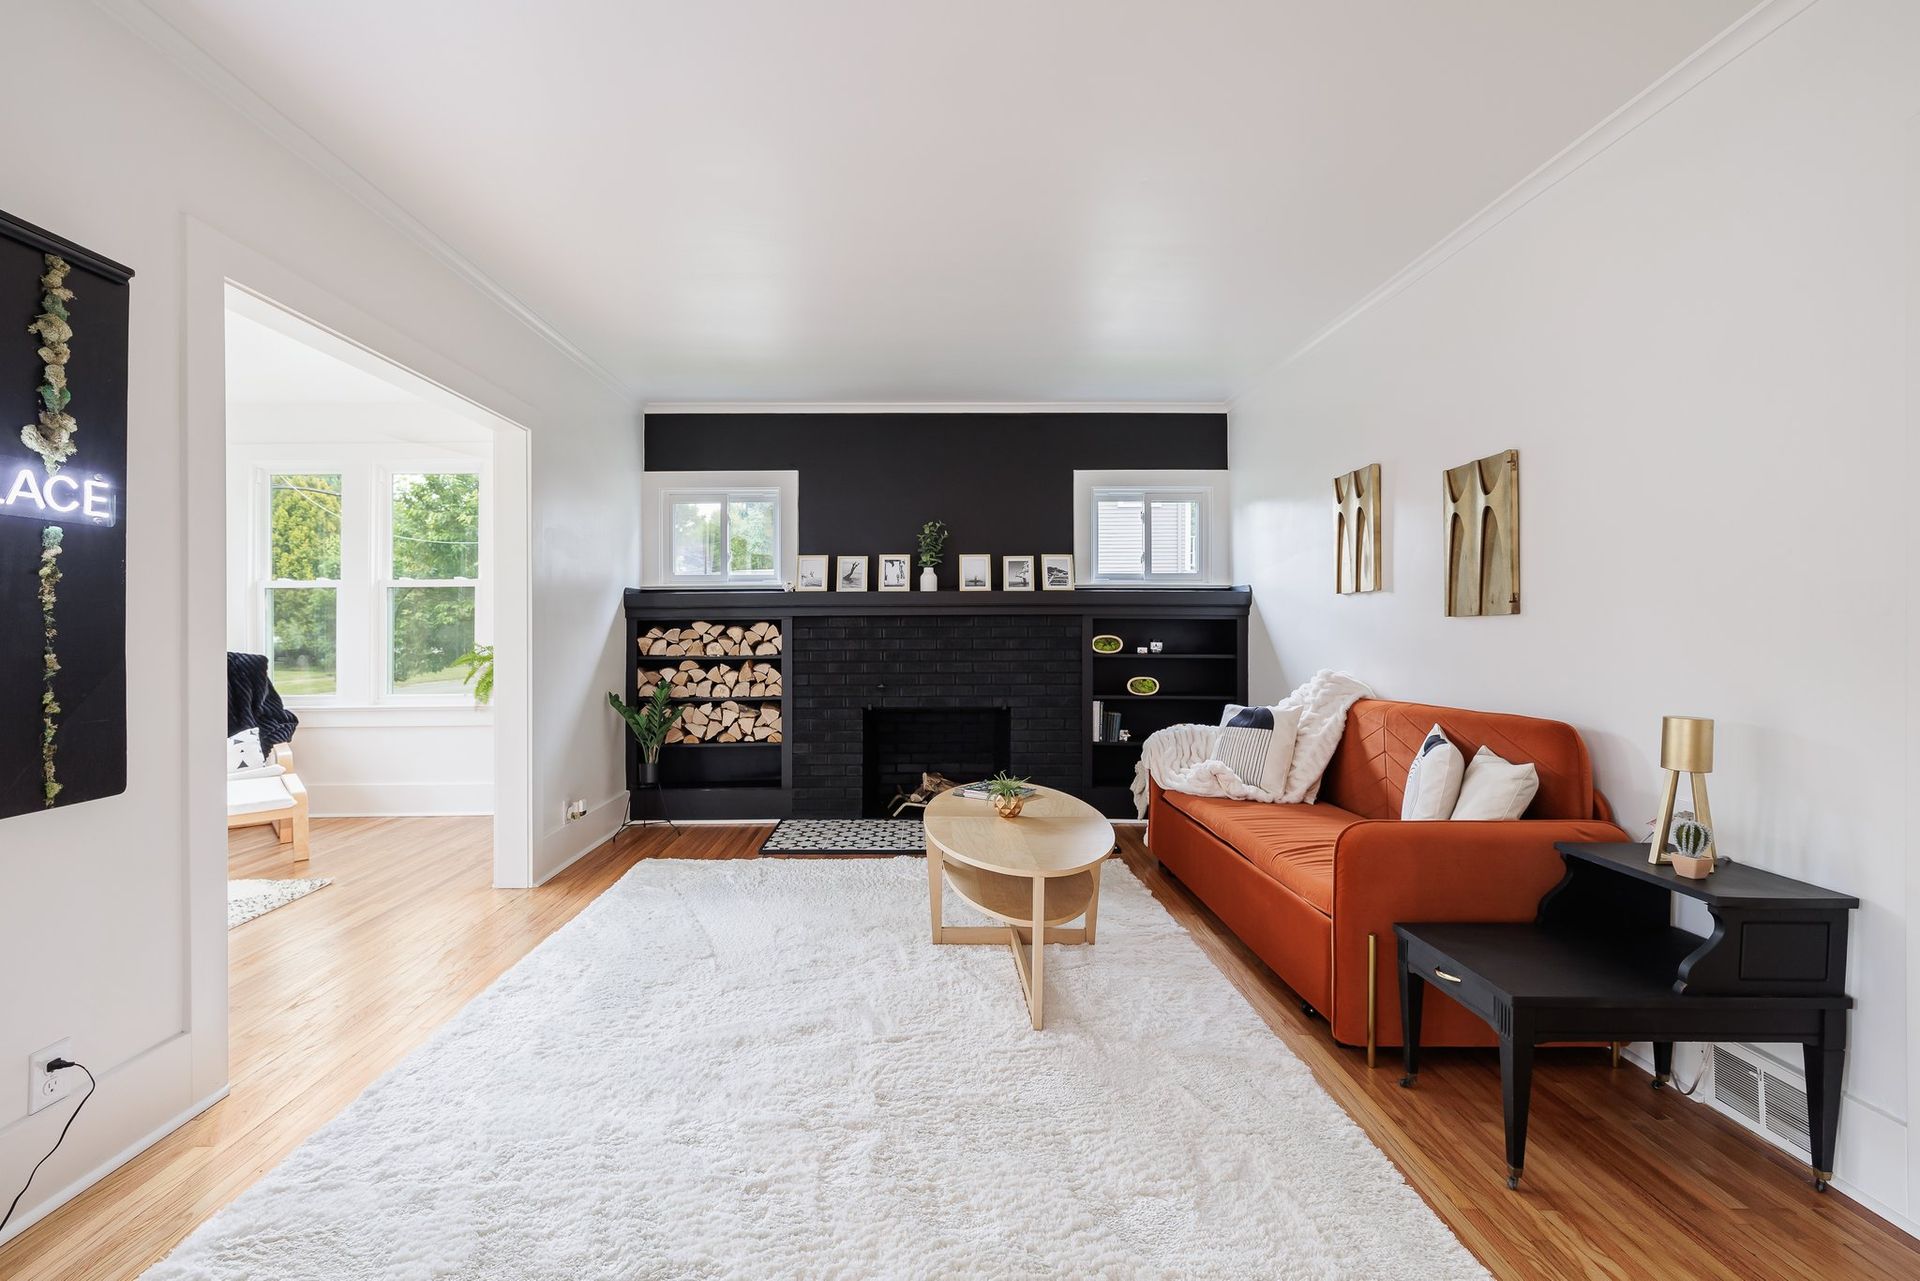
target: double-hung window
<point>302,595</point>
<point>723,536</point>
<point>1149,535</point>
<point>430,596</point>
<point>374,580</point>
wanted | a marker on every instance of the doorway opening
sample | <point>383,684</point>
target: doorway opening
<point>376,554</point>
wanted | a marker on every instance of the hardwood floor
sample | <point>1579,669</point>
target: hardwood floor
<point>331,991</point>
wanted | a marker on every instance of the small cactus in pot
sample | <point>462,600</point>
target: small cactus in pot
<point>1692,849</point>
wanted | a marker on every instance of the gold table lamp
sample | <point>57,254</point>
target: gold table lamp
<point>1686,747</point>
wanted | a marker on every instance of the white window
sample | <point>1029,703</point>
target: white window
<point>723,536</point>
<point>374,580</point>
<point>1149,535</point>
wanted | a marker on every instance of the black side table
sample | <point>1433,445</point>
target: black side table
<point>1601,963</point>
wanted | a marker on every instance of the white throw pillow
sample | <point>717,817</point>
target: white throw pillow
<point>243,751</point>
<point>1433,782</point>
<point>1259,748</point>
<point>1496,788</point>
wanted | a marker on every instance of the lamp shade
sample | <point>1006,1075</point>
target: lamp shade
<point>1686,744</point>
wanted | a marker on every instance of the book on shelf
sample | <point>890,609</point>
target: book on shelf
<point>978,791</point>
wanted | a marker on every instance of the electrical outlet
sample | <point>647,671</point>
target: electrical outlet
<point>576,810</point>
<point>44,1088</point>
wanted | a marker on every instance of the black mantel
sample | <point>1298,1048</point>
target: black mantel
<point>1028,652</point>
<point>1089,601</point>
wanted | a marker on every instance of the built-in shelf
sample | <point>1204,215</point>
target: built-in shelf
<point>1203,631</point>
<point>726,698</point>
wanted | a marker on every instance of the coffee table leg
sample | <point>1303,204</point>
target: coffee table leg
<point>934,879</point>
<point>1039,967</point>
<point>1093,904</point>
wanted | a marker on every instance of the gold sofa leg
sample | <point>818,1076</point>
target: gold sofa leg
<point>1373,1000</point>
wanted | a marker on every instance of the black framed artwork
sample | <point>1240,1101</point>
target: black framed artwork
<point>63,522</point>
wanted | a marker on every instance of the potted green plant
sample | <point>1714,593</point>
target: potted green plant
<point>933,548</point>
<point>1692,849</point>
<point>479,664</point>
<point>649,722</point>
<point>1008,794</point>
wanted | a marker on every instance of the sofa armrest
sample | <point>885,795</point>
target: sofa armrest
<point>1448,871</point>
<point>1387,871</point>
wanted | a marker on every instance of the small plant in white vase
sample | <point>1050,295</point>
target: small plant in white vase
<point>933,548</point>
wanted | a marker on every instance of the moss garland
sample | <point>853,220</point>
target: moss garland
<point>50,539</point>
<point>51,437</point>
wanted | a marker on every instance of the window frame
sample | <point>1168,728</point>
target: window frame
<point>726,497</point>
<point>268,584</point>
<point>1202,498</point>
<point>384,583</point>
<point>362,619</point>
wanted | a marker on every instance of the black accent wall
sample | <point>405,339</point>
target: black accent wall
<point>1002,482</point>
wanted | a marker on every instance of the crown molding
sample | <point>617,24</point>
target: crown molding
<point>209,73</point>
<point>936,407</point>
<point>1747,31</point>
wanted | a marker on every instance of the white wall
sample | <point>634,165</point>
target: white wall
<point>1699,342</point>
<point>109,905</point>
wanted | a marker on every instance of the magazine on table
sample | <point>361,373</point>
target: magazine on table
<point>978,791</point>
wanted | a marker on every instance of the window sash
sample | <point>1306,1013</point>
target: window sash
<point>721,568</point>
<point>1148,498</point>
<point>364,593</point>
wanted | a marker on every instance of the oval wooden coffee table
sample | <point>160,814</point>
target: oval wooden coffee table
<point>1034,873</point>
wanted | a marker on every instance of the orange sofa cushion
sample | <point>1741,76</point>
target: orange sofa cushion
<point>1293,844</point>
<point>1368,773</point>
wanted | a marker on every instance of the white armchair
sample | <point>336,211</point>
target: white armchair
<point>271,795</point>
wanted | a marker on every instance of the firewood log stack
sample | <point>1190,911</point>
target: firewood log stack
<point>722,680</point>
<point>727,722</point>
<point>712,640</point>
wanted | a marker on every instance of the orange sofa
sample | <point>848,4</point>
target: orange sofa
<point>1315,890</point>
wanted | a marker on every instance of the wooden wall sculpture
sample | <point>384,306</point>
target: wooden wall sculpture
<point>1483,536</point>
<point>63,522</point>
<point>1356,530</point>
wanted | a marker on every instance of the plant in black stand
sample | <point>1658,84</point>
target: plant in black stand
<point>649,723</point>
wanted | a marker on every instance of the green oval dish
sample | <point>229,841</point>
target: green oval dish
<point>1143,685</point>
<point>1108,644</point>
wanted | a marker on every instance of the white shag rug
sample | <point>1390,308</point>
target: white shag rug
<point>248,899</point>
<point>765,1069</point>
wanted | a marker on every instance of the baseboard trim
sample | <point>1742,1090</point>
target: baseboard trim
<point>604,818</point>
<point>112,1163</point>
<point>397,800</point>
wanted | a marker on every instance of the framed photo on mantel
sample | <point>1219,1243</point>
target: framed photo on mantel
<point>976,572</point>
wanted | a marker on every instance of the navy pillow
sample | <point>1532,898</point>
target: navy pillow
<point>1252,718</point>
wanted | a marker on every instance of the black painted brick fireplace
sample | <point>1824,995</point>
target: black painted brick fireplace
<point>1030,665</point>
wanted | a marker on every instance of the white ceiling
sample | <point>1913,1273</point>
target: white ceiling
<point>267,367</point>
<point>975,200</point>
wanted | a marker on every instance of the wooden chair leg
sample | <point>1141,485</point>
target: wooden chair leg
<point>297,826</point>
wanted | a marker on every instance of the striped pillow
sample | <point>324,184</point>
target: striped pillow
<point>1258,746</point>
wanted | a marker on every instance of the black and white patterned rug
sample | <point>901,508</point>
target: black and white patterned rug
<point>846,836</point>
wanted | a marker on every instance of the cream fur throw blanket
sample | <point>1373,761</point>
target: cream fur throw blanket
<point>1183,758</point>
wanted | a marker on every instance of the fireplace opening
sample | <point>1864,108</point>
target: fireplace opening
<point>899,744</point>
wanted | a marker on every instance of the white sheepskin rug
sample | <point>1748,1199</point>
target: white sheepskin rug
<point>765,1069</point>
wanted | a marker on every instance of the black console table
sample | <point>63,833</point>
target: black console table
<point>1601,962</point>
